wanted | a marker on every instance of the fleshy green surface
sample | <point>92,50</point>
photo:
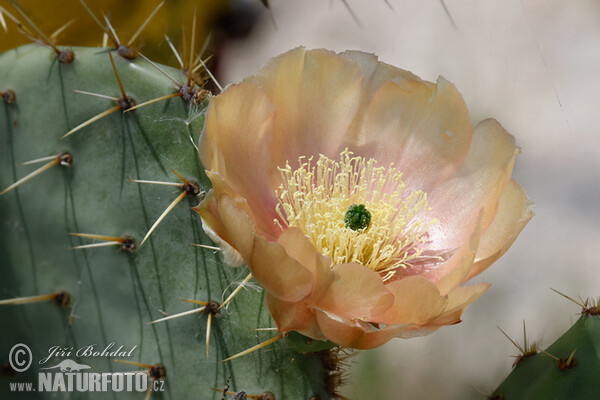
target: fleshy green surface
<point>114,293</point>
<point>539,377</point>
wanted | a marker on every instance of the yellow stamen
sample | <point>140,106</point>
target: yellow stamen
<point>315,198</point>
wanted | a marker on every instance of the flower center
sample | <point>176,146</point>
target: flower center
<point>355,211</point>
<point>357,217</point>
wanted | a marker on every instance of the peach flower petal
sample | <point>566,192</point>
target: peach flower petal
<point>376,74</point>
<point>458,299</point>
<point>421,127</point>
<point>515,210</point>
<point>294,317</point>
<point>452,273</point>
<point>237,130</point>
<point>417,331</point>
<point>317,94</point>
<point>298,246</point>
<point>355,292</point>
<point>417,300</point>
<point>280,275</point>
<point>214,225</point>
<point>216,231</point>
<point>239,224</point>
<point>355,334</point>
<point>487,169</point>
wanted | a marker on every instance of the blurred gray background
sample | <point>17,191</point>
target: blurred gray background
<point>533,65</point>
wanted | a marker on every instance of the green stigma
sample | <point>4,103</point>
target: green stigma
<point>357,217</point>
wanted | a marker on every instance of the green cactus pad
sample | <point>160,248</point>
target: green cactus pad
<point>542,377</point>
<point>115,293</point>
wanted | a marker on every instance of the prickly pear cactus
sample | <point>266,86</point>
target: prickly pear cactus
<point>114,291</point>
<point>568,369</point>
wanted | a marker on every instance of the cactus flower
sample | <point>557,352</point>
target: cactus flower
<point>359,195</point>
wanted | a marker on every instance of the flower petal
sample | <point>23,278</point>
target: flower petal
<point>376,73</point>
<point>316,93</point>
<point>417,301</point>
<point>456,202</point>
<point>451,272</point>
<point>294,317</point>
<point>355,334</point>
<point>515,210</point>
<point>280,274</point>
<point>238,129</point>
<point>238,222</point>
<point>215,230</point>
<point>355,292</point>
<point>298,246</point>
<point>421,127</point>
<point>458,299</point>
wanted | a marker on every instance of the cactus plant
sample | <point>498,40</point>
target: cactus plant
<point>116,290</point>
<point>568,369</point>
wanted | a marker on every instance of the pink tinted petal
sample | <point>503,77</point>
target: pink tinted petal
<point>355,334</point>
<point>423,128</point>
<point>355,292</point>
<point>417,300</point>
<point>294,317</point>
<point>237,131</point>
<point>458,300</point>
<point>456,202</point>
<point>451,273</point>
<point>280,275</point>
<point>298,246</point>
<point>316,93</point>
<point>515,210</point>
